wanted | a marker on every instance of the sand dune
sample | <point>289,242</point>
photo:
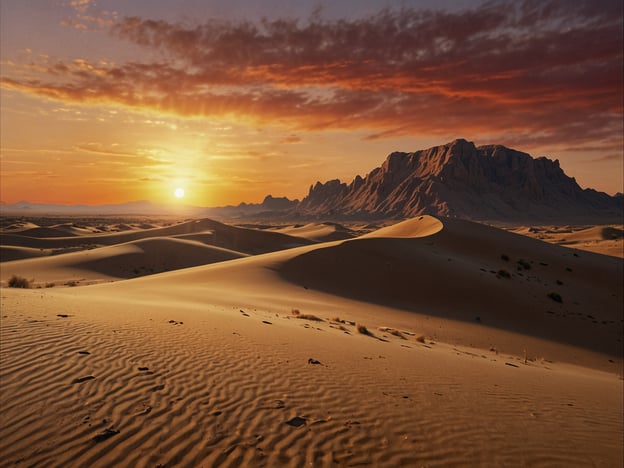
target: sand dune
<point>319,232</point>
<point>605,240</point>
<point>9,252</point>
<point>209,366</point>
<point>245,240</point>
<point>127,260</point>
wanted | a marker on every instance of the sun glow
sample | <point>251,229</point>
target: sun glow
<point>179,192</point>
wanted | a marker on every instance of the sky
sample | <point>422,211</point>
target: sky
<point>109,101</point>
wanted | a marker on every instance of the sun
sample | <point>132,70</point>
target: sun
<point>179,192</point>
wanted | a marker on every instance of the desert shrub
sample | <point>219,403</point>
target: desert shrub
<point>296,313</point>
<point>555,296</point>
<point>393,331</point>
<point>19,282</point>
<point>362,329</point>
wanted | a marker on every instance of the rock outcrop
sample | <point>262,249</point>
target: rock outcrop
<point>461,180</point>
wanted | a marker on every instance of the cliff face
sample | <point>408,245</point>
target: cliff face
<point>458,179</point>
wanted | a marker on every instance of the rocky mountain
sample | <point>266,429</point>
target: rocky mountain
<point>492,183</point>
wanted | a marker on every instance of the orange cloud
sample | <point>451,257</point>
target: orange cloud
<point>534,72</point>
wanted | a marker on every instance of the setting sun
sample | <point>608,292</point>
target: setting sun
<point>179,192</point>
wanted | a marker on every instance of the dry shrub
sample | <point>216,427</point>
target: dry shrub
<point>393,331</point>
<point>19,282</point>
<point>362,329</point>
<point>297,314</point>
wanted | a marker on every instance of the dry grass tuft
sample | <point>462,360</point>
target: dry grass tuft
<point>393,331</point>
<point>296,313</point>
<point>19,282</point>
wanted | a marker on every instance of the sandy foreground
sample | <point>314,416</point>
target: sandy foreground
<point>202,344</point>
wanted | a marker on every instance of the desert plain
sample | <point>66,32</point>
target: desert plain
<point>426,342</point>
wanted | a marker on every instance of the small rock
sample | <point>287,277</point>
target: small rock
<point>296,421</point>
<point>107,433</point>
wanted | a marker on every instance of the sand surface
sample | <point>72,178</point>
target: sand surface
<point>247,353</point>
<point>606,240</point>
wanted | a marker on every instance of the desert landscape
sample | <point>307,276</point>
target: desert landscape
<point>429,342</point>
<point>312,233</point>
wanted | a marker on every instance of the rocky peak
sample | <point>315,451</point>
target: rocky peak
<point>459,179</point>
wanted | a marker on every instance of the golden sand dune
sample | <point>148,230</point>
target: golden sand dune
<point>10,252</point>
<point>45,232</point>
<point>605,240</point>
<point>258,361</point>
<point>422,226</point>
<point>319,232</point>
<point>127,260</point>
<point>245,240</point>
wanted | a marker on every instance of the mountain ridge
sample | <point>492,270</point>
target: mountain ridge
<point>458,179</point>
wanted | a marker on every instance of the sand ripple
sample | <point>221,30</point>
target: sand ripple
<point>197,393</point>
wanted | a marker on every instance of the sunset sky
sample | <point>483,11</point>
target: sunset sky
<point>111,101</point>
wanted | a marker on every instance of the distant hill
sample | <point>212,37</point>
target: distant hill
<point>270,205</point>
<point>490,183</point>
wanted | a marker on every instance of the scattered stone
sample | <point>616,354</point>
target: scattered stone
<point>106,434</point>
<point>62,315</point>
<point>267,322</point>
<point>143,368</point>
<point>510,364</point>
<point>84,352</point>
<point>313,361</point>
<point>296,421</point>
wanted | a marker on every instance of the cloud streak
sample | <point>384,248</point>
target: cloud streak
<point>547,72</point>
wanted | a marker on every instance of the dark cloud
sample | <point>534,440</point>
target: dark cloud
<point>547,71</point>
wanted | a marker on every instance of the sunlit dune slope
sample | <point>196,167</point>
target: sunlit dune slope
<point>128,260</point>
<point>10,252</point>
<point>319,232</point>
<point>605,240</point>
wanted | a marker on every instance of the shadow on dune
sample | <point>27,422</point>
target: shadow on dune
<point>471,272</point>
